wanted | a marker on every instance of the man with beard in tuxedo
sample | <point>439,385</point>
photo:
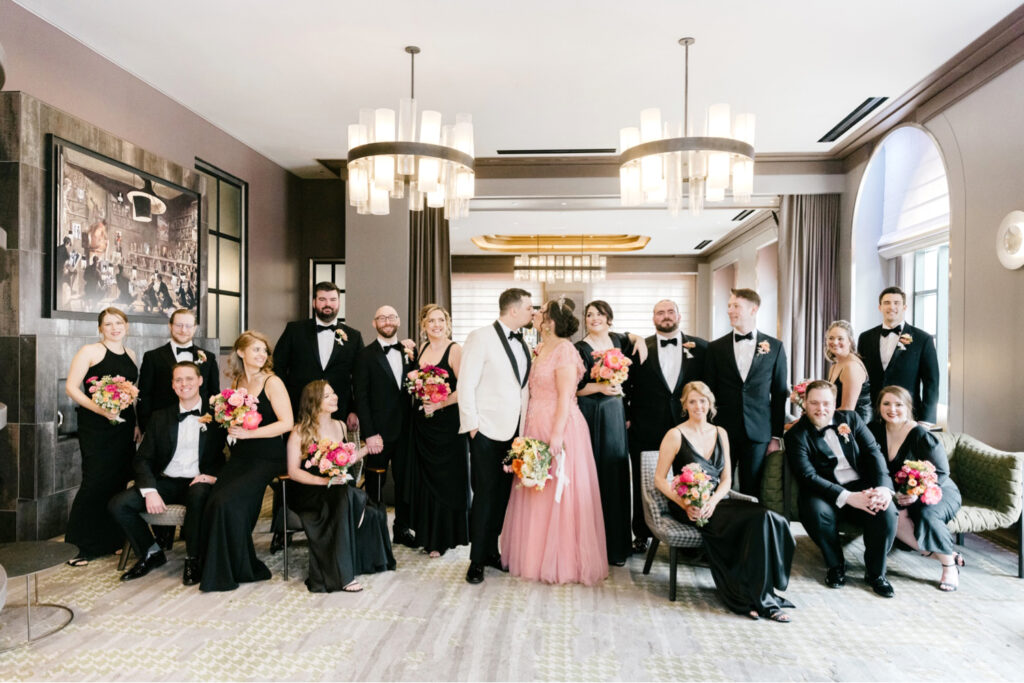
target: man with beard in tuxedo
<point>653,391</point>
<point>897,353</point>
<point>746,370</point>
<point>383,406</point>
<point>842,475</point>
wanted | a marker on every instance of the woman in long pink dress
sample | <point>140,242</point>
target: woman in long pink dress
<point>545,539</point>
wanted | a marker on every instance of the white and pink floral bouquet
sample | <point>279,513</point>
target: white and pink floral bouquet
<point>610,366</point>
<point>918,478</point>
<point>330,458</point>
<point>236,408</point>
<point>429,384</point>
<point>112,393</point>
<point>695,487</point>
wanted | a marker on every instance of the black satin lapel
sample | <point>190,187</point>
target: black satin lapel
<point>655,351</point>
<point>508,352</point>
<point>682,364</point>
<point>823,447</point>
<point>382,359</point>
<point>173,436</point>
<point>529,362</point>
<point>169,354</point>
<point>335,352</point>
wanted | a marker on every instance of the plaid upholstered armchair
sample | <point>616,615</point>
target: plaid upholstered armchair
<point>991,483</point>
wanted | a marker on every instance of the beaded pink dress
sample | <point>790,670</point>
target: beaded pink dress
<point>547,540</point>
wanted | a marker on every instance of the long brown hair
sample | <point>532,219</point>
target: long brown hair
<point>244,341</point>
<point>307,423</point>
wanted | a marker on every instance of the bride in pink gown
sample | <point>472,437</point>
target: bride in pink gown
<point>544,539</point>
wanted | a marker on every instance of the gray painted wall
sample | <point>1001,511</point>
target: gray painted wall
<point>377,267</point>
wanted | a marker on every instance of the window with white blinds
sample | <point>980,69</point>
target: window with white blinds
<point>475,299</point>
<point>632,298</point>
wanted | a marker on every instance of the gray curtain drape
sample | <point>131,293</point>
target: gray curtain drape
<point>430,264</point>
<point>809,283</point>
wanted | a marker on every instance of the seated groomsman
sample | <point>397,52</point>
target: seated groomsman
<point>746,370</point>
<point>898,353</point>
<point>177,462</point>
<point>384,406</point>
<point>653,391</point>
<point>842,476</point>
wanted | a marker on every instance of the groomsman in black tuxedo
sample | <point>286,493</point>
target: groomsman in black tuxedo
<point>897,353</point>
<point>178,462</point>
<point>746,370</point>
<point>384,406</point>
<point>842,476</point>
<point>155,390</point>
<point>653,392</point>
<point>320,348</point>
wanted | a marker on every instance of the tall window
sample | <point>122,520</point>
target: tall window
<point>475,300</point>
<point>226,205</point>
<point>328,270</point>
<point>632,298</point>
<point>926,282</point>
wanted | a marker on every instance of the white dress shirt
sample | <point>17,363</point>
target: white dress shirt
<point>325,341</point>
<point>887,345</point>
<point>394,358</point>
<point>184,463</point>
<point>744,353</point>
<point>179,352</point>
<point>518,352</point>
<point>670,358</point>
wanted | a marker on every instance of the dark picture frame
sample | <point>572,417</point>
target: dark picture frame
<point>119,237</point>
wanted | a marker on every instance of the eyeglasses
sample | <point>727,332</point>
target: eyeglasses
<point>183,326</point>
<point>386,318</point>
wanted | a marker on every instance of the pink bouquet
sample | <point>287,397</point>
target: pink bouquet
<point>330,458</point>
<point>918,478</point>
<point>236,408</point>
<point>610,367</point>
<point>694,486</point>
<point>799,391</point>
<point>429,384</point>
<point>112,393</point>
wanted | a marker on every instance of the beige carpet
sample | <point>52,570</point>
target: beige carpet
<point>423,622</point>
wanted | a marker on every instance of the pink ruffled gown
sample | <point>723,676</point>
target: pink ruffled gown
<point>545,540</point>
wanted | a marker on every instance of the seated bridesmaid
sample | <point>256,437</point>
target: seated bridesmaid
<point>346,536</point>
<point>922,527</point>
<point>749,548</point>
<point>847,371</point>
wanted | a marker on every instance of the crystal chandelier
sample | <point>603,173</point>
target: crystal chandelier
<point>433,166</point>
<point>656,161</point>
<point>560,267</point>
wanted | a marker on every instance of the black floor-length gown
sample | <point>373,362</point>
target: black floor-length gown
<point>930,528</point>
<point>750,548</point>
<point>863,405</point>
<point>606,418</point>
<point>439,465</point>
<point>107,452</point>
<point>228,555</point>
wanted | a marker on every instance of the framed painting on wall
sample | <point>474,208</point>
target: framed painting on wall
<point>121,237</point>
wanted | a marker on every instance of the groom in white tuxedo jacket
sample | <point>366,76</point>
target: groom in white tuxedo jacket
<point>492,404</point>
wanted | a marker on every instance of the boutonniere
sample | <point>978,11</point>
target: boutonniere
<point>205,420</point>
<point>764,348</point>
<point>340,337</point>
<point>843,430</point>
<point>904,340</point>
<point>200,356</point>
<point>686,348</point>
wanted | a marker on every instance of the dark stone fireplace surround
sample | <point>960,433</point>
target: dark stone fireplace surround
<point>39,470</point>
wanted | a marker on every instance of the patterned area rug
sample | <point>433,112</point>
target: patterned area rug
<point>424,622</point>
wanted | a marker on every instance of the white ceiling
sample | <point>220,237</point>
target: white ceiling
<point>287,78</point>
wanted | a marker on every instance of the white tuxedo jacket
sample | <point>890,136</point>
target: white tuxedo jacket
<point>492,395</point>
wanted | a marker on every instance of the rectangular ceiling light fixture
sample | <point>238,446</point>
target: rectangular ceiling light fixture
<point>702,244</point>
<point>853,118</point>
<point>537,152</point>
<point>743,215</point>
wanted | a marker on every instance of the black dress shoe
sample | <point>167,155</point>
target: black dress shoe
<point>277,542</point>
<point>190,576</point>
<point>881,586</point>
<point>406,538</point>
<point>164,536</point>
<point>835,577</point>
<point>142,567</point>
<point>495,562</point>
<point>475,573</point>
<point>640,546</point>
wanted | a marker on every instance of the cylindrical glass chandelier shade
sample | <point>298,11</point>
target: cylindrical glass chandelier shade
<point>384,166</point>
<point>379,202</point>
<point>358,183</point>
<point>650,124</point>
<point>407,133</point>
<point>430,127</point>
<point>356,135</point>
<point>464,133</point>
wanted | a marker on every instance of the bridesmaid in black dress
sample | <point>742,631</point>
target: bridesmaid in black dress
<point>750,548</point>
<point>602,407</point>
<point>847,372</point>
<point>257,456</point>
<point>346,536</point>
<point>107,449</point>
<point>922,527</point>
<point>440,455</point>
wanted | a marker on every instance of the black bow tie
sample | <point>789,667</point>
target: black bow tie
<point>391,347</point>
<point>185,349</point>
<point>894,330</point>
<point>323,328</point>
<point>737,337</point>
<point>183,415</point>
<point>666,342</point>
<point>518,336</point>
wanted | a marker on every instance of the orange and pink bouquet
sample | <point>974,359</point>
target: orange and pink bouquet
<point>112,393</point>
<point>330,458</point>
<point>429,384</point>
<point>918,478</point>
<point>236,408</point>
<point>610,367</point>
<point>530,460</point>
<point>799,391</point>
<point>694,486</point>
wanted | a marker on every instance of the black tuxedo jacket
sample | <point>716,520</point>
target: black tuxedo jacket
<point>382,406</point>
<point>914,367</point>
<point>654,407</point>
<point>813,463</point>
<point>161,440</point>
<point>297,363</point>
<point>155,391</point>
<point>757,405</point>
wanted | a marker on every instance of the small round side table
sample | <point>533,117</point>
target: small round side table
<point>28,559</point>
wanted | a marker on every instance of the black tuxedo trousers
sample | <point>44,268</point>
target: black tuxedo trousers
<point>127,505</point>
